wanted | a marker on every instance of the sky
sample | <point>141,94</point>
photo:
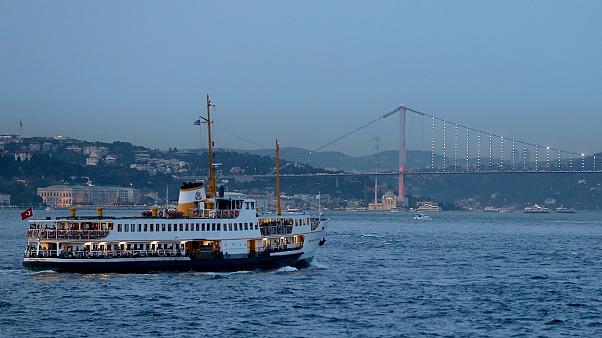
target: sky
<point>304,72</point>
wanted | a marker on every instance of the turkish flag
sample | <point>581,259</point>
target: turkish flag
<point>26,214</point>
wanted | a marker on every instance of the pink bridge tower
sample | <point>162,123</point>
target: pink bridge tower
<point>402,156</point>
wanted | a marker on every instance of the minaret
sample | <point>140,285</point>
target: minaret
<point>278,179</point>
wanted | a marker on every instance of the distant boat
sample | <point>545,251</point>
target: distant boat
<point>422,217</point>
<point>491,209</point>
<point>428,206</point>
<point>537,209</point>
<point>563,210</point>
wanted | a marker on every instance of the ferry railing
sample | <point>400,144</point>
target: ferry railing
<point>106,253</point>
<point>67,234</point>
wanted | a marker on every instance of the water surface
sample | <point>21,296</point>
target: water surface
<point>380,274</point>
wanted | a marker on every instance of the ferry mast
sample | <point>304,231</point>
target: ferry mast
<point>211,186</point>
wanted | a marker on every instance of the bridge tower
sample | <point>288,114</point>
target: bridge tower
<point>402,157</point>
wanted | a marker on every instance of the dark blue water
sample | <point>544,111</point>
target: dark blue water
<point>461,274</point>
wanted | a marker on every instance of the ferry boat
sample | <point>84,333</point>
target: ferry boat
<point>208,231</point>
<point>428,206</point>
<point>536,209</point>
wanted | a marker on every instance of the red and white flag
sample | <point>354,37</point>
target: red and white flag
<point>26,214</point>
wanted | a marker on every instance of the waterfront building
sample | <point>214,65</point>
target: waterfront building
<point>389,201</point>
<point>64,196</point>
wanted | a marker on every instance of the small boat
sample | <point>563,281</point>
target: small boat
<point>563,210</point>
<point>537,209</point>
<point>422,217</point>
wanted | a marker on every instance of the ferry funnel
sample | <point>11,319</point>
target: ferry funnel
<point>190,193</point>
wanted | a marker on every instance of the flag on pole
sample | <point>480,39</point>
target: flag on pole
<point>197,122</point>
<point>26,214</point>
<point>21,123</point>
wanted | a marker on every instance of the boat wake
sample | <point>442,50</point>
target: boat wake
<point>225,274</point>
<point>286,269</point>
<point>319,266</point>
<point>371,236</point>
<point>41,272</point>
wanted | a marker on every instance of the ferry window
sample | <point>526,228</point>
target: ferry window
<point>225,227</point>
<point>129,246</point>
<point>212,226</point>
<point>139,227</point>
<point>152,227</point>
<point>119,228</point>
<point>157,227</point>
<point>146,227</point>
<point>219,225</point>
<point>256,226</point>
<point>162,227</point>
<point>186,226</point>
<point>230,226</point>
<point>126,228</point>
<point>246,226</point>
<point>168,227</point>
<point>252,205</point>
<point>181,227</point>
<point>197,227</point>
<point>240,225</point>
<point>202,226</point>
<point>235,226</point>
<point>133,227</point>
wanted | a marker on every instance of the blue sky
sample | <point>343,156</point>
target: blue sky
<point>304,72</point>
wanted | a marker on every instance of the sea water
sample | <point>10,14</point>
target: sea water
<point>379,274</point>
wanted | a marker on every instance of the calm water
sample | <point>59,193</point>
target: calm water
<point>461,274</point>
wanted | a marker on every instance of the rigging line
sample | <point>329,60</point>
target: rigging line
<point>241,138</point>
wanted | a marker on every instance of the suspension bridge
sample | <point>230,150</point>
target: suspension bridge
<point>458,149</point>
